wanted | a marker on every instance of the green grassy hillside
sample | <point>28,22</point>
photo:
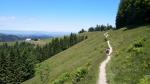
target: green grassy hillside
<point>39,42</point>
<point>89,52</point>
<point>130,63</point>
<point>9,43</point>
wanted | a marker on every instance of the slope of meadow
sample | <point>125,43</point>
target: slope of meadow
<point>130,63</point>
<point>89,52</point>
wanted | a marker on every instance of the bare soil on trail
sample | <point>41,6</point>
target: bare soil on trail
<point>102,73</point>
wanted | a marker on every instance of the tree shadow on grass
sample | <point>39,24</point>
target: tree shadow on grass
<point>130,27</point>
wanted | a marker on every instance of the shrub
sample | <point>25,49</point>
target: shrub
<point>145,80</point>
<point>73,77</point>
<point>79,74</point>
<point>43,72</point>
<point>64,77</point>
<point>137,46</point>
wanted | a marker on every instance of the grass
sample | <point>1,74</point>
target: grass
<point>130,63</point>
<point>89,51</point>
<point>9,43</point>
<point>39,42</point>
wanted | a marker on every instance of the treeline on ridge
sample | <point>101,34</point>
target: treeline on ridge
<point>98,28</point>
<point>18,61</point>
<point>8,38</point>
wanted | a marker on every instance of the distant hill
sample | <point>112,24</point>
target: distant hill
<point>8,38</point>
<point>12,35</point>
<point>34,33</point>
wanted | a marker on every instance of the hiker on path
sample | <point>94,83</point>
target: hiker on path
<point>107,51</point>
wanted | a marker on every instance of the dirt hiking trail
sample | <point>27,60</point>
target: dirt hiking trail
<point>102,73</point>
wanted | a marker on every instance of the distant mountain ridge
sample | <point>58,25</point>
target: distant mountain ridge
<point>8,38</point>
<point>11,35</point>
<point>33,33</point>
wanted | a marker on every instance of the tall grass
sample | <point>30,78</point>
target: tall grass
<point>72,60</point>
<point>130,62</point>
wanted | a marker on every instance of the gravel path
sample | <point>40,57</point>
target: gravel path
<point>102,74</point>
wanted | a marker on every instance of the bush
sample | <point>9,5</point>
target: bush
<point>137,46</point>
<point>79,74</point>
<point>145,80</point>
<point>43,71</point>
<point>64,77</point>
<point>72,77</point>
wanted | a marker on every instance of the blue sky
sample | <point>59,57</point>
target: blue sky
<point>56,15</point>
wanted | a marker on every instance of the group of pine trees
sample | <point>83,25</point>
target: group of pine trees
<point>133,12</point>
<point>57,45</point>
<point>98,28</point>
<point>17,61</point>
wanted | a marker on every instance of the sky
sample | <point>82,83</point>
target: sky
<point>56,15</point>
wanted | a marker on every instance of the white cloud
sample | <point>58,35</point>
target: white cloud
<point>6,21</point>
<point>7,18</point>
